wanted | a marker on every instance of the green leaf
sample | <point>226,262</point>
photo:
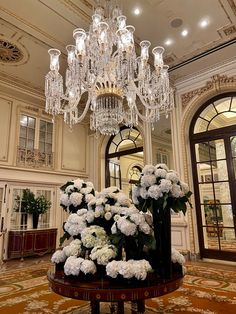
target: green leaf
<point>65,236</point>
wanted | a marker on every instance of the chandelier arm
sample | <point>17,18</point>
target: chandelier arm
<point>82,116</point>
<point>142,99</point>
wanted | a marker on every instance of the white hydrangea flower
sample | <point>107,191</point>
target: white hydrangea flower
<point>148,169</point>
<point>137,218</point>
<point>99,211</point>
<point>155,192</point>
<point>176,191</point>
<point>172,176</point>
<point>73,249</point>
<point>123,200</point>
<point>108,215</point>
<point>76,198</point>
<point>90,184</point>
<point>177,257</point>
<point>93,236</point>
<point>75,224</point>
<point>72,265</point>
<point>86,190</point>
<point>126,227</point>
<point>89,198</point>
<point>64,199</point>
<point>129,269</point>
<point>112,269</point>
<point>148,180</point>
<point>165,185</point>
<point>103,254</point>
<point>88,267</point>
<point>58,257</point>
<point>90,216</point>
<point>145,228</point>
<point>184,187</point>
<point>160,173</point>
<point>82,211</point>
<point>78,183</point>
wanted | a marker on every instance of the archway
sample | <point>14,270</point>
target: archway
<point>213,152</point>
<point>123,150</point>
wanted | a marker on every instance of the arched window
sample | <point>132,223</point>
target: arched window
<point>123,149</point>
<point>213,152</point>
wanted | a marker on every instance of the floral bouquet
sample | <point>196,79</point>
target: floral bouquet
<point>110,237</point>
<point>106,229</point>
<point>159,191</point>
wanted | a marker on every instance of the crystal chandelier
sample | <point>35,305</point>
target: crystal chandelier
<point>102,65</point>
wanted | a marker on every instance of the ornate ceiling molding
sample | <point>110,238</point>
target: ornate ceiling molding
<point>217,82</point>
<point>9,52</point>
<point>232,5</point>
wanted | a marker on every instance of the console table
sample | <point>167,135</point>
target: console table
<point>101,290</point>
<point>22,243</point>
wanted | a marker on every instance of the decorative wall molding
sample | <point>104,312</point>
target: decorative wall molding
<point>232,5</point>
<point>217,82</point>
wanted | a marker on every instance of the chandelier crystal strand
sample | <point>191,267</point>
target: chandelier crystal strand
<point>122,88</point>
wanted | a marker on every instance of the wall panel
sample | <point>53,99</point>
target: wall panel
<point>5,124</point>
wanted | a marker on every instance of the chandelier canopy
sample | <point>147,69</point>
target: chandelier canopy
<point>120,87</point>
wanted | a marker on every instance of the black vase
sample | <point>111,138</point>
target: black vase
<point>162,232</point>
<point>35,221</point>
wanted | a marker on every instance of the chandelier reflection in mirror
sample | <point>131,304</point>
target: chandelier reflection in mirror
<point>120,87</point>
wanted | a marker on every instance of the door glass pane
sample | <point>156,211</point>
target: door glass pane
<point>201,125</point>
<point>228,242</point>
<point>222,192</point>
<point>202,152</point>
<point>220,171</point>
<point>211,240</point>
<point>217,149</point>
<point>18,216</point>
<point>44,219</point>
<point>206,192</point>
<point>233,145</point>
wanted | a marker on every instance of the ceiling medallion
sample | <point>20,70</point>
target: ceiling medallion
<point>9,52</point>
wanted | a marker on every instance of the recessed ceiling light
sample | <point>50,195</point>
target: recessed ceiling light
<point>203,23</point>
<point>168,42</point>
<point>137,11</point>
<point>184,32</point>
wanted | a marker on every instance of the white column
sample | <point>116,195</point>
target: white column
<point>147,143</point>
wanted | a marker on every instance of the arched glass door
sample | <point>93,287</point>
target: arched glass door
<point>213,151</point>
<point>124,150</point>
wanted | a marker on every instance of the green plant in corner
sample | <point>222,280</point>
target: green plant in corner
<point>31,204</point>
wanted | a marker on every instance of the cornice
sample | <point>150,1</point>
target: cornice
<point>20,84</point>
<point>216,83</point>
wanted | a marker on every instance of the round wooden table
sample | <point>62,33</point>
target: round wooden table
<point>116,293</point>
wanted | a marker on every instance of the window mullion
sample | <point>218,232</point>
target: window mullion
<point>37,130</point>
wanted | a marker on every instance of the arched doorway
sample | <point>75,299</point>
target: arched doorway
<point>124,150</point>
<point>213,153</point>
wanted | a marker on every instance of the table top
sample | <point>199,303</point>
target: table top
<point>106,290</point>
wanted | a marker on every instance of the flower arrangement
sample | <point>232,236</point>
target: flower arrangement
<point>163,186</point>
<point>159,191</point>
<point>110,235</point>
<point>31,204</point>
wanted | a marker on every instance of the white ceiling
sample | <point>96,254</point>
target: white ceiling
<point>35,26</point>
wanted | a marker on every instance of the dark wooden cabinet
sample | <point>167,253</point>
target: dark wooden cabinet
<point>24,243</point>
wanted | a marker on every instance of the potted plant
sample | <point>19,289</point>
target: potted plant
<point>33,205</point>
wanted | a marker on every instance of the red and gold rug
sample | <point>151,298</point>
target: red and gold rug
<point>205,290</point>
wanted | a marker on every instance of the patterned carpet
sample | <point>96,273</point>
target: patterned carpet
<point>205,290</point>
